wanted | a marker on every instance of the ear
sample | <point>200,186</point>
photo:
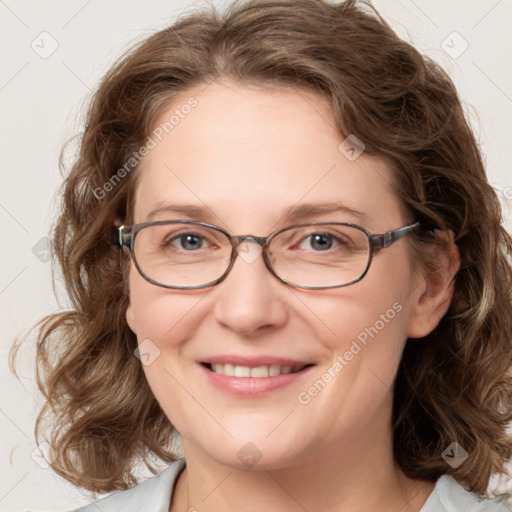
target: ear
<point>130,318</point>
<point>129,314</point>
<point>434,288</point>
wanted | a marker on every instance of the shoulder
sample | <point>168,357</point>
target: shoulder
<point>449,496</point>
<point>158,489</point>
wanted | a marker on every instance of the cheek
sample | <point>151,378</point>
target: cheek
<point>164,321</point>
<point>368,320</point>
<point>162,328</point>
<point>156,312</point>
<point>375,305</point>
<point>366,335</point>
<point>371,335</point>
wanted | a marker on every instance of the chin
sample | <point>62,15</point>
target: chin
<point>255,454</point>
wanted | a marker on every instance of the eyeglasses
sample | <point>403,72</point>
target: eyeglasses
<point>186,255</point>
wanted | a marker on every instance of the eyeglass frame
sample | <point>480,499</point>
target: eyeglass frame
<point>124,236</point>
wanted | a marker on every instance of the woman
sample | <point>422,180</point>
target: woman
<point>280,242</point>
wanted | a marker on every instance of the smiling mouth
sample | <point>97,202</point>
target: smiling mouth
<point>231,370</point>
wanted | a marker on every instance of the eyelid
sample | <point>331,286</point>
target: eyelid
<point>210,236</point>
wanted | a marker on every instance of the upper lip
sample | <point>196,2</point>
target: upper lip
<point>253,362</point>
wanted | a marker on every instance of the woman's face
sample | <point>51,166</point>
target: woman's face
<point>244,156</point>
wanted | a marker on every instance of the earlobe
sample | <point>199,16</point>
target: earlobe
<point>433,295</point>
<point>130,318</point>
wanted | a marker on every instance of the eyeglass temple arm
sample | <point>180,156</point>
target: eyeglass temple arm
<point>121,236</point>
<point>390,237</point>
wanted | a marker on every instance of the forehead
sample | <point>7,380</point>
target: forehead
<point>246,151</point>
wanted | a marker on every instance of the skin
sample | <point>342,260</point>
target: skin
<point>248,153</point>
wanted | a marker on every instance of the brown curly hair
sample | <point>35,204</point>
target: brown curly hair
<point>100,415</point>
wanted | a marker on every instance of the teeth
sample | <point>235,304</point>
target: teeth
<point>274,370</point>
<point>242,371</point>
<point>260,371</point>
<point>256,372</point>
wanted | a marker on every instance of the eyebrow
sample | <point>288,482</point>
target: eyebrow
<point>294,213</point>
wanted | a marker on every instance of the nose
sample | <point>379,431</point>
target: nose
<point>250,299</point>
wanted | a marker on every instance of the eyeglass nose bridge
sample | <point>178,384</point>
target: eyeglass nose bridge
<point>236,241</point>
<point>240,239</point>
<point>247,255</point>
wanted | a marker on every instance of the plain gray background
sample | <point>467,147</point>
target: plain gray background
<point>40,96</point>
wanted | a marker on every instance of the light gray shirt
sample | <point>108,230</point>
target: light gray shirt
<point>155,493</point>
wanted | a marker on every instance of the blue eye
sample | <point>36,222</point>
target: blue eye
<point>321,242</point>
<point>191,242</point>
<point>187,241</point>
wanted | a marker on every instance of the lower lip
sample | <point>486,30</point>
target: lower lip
<point>250,386</point>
